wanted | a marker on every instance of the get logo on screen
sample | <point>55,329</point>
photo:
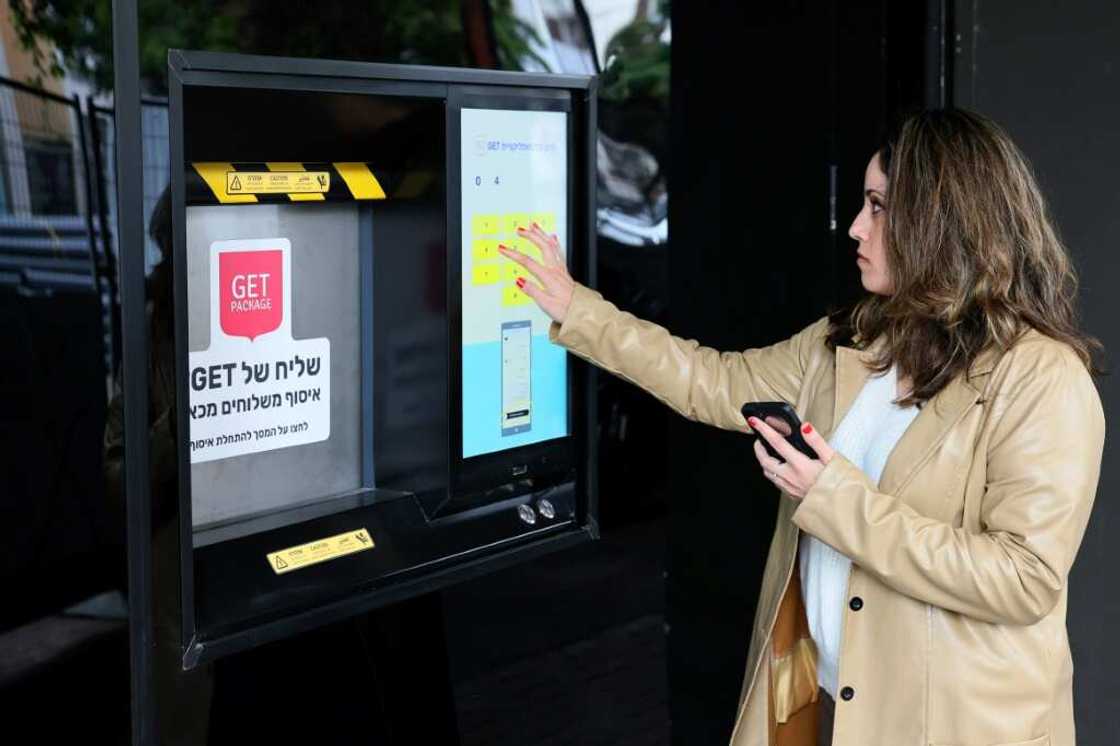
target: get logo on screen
<point>251,285</point>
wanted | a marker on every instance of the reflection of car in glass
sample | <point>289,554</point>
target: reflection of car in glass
<point>633,202</point>
<point>627,43</point>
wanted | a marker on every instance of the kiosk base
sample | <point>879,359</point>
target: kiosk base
<point>380,678</point>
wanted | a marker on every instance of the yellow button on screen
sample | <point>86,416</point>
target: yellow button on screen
<point>546,220</point>
<point>516,219</point>
<point>485,249</point>
<point>514,270</point>
<point>485,225</point>
<point>486,274</point>
<point>512,296</point>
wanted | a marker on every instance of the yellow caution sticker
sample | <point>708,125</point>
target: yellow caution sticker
<point>212,174</point>
<point>296,166</point>
<point>360,180</point>
<point>278,182</point>
<point>322,550</point>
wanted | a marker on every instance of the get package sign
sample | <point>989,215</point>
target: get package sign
<point>255,388</point>
<point>249,302</point>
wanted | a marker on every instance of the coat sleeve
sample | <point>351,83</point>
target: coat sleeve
<point>698,382</point>
<point>1043,463</point>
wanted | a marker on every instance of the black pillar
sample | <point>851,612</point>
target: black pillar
<point>776,109</point>
<point>134,333</point>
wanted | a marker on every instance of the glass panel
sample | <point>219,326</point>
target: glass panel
<point>550,37</point>
<point>314,268</point>
<point>296,435</point>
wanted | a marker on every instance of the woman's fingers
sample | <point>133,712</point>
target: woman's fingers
<point>526,261</point>
<point>549,245</point>
<point>549,294</point>
<point>780,444</point>
<point>550,254</point>
<point>530,289</point>
<point>765,460</point>
<point>554,250</point>
<point>550,242</point>
<point>556,286</point>
<point>817,443</point>
<point>770,467</point>
<point>534,236</point>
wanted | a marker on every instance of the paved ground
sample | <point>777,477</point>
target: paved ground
<point>610,689</point>
<point>566,651</point>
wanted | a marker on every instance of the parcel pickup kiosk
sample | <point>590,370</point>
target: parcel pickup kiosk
<point>368,407</point>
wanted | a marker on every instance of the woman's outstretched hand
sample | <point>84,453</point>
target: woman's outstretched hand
<point>799,472</point>
<point>554,291</point>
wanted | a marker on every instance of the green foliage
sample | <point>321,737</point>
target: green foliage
<point>514,38</point>
<point>408,31</point>
<point>81,32</point>
<point>637,62</point>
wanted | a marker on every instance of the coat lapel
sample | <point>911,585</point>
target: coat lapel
<point>851,374</point>
<point>934,421</point>
<point>928,429</point>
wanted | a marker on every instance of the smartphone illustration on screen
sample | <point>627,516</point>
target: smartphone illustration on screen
<point>516,377</point>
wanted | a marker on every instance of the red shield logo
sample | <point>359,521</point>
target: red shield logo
<point>252,292</point>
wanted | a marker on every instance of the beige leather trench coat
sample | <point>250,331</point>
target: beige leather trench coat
<point>960,553</point>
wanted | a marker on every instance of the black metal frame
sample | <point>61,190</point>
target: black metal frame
<point>134,343</point>
<point>226,70</point>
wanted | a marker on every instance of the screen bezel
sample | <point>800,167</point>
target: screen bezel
<point>546,460</point>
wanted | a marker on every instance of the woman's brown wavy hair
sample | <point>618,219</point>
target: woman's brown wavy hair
<point>972,251</point>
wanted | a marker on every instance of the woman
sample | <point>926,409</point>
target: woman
<point>959,436</point>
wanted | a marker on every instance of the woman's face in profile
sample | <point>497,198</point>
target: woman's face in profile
<point>867,230</point>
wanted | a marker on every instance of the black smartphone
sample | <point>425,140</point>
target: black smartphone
<point>780,416</point>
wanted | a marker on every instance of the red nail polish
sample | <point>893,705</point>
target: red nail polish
<point>752,421</point>
<point>521,282</point>
<point>806,428</point>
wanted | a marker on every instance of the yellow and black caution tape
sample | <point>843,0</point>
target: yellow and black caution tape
<point>277,182</point>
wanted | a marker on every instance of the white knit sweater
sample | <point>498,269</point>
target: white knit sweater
<point>866,436</point>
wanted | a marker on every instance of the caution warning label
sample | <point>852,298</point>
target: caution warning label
<point>322,550</point>
<point>282,182</point>
<point>278,182</point>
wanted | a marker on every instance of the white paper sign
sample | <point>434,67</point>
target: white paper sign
<point>255,388</point>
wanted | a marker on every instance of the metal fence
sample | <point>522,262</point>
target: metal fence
<point>58,197</point>
<point>46,232</point>
<point>157,167</point>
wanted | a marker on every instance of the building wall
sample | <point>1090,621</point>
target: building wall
<point>1049,74</point>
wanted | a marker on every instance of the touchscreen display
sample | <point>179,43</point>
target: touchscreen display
<point>514,173</point>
